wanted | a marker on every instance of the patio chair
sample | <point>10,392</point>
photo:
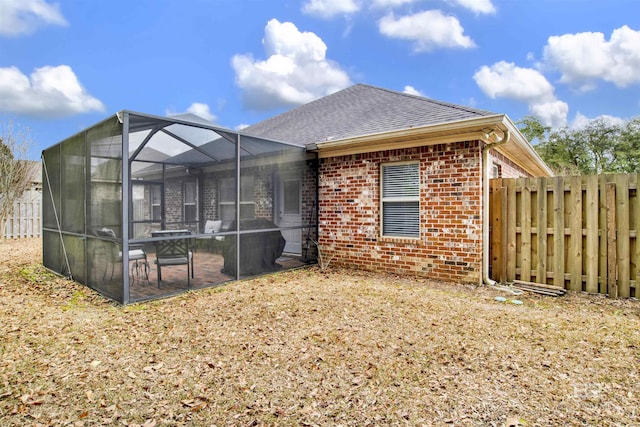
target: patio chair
<point>140,266</point>
<point>173,252</point>
<point>212,227</point>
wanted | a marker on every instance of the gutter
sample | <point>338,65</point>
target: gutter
<point>485,204</point>
<point>474,125</point>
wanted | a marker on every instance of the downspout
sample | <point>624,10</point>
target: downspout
<point>486,171</point>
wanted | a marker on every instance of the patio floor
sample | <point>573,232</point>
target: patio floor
<point>207,273</point>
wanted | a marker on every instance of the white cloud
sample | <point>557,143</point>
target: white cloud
<point>390,3</point>
<point>47,92</point>
<point>583,58</point>
<point>412,91</point>
<point>552,113</point>
<point>197,108</point>
<point>505,80</point>
<point>330,8</point>
<point>428,30</point>
<point>477,6</point>
<point>18,17</point>
<point>201,110</point>
<point>295,72</point>
<point>581,121</point>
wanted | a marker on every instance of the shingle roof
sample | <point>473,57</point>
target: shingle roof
<point>356,111</point>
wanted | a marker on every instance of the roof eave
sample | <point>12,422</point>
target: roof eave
<point>522,152</point>
<point>517,149</point>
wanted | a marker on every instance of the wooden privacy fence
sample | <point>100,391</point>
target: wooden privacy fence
<point>579,233</point>
<point>25,221</point>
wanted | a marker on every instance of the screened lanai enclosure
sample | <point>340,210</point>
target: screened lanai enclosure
<point>139,207</point>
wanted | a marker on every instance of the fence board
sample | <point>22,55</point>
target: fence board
<point>558,233</point>
<point>503,233</point>
<point>525,225</point>
<point>612,246</point>
<point>602,221</point>
<point>497,242</point>
<point>541,223</point>
<point>622,220</point>
<point>511,229</point>
<point>580,233</point>
<point>591,251</point>
<point>575,257</point>
<point>635,261</point>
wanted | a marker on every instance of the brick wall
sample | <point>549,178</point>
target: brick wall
<point>210,198</point>
<point>173,200</point>
<point>508,169</point>
<point>263,193</point>
<point>450,243</point>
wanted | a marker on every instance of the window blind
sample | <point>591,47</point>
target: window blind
<point>401,200</point>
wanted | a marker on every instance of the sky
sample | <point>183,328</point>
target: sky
<point>67,65</point>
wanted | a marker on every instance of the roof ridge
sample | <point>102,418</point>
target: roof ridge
<point>360,109</point>
<point>428,99</point>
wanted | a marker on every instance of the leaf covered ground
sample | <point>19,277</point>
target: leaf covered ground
<point>307,348</point>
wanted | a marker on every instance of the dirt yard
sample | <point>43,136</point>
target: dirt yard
<point>306,348</point>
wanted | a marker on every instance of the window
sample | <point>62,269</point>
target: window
<point>190,201</point>
<point>227,202</point>
<point>496,171</point>
<point>400,198</point>
<point>291,202</point>
<point>156,203</point>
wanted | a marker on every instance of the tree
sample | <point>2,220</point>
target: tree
<point>14,168</point>
<point>628,151</point>
<point>599,147</point>
<point>532,128</point>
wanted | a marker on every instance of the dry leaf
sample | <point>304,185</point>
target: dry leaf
<point>513,422</point>
<point>378,351</point>
<point>188,402</point>
<point>199,407</point>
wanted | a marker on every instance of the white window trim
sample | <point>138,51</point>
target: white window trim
<point>398,199</point>
<point>158,205</point>
<point>496,170</point>
<point>195,202</point>
<point>222,203</point>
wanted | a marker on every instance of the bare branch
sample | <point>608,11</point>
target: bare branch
<point>15,170</point>
<point>323,259</point>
